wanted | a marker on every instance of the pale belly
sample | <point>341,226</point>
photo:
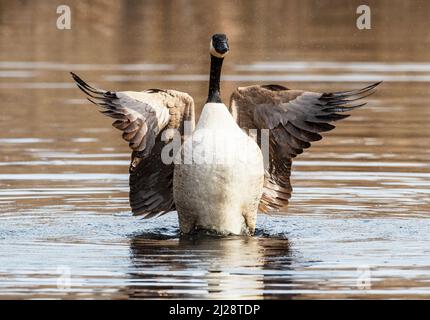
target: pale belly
<point>220,189</point>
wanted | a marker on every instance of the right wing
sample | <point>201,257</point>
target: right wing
<point>295,119</point>
<point>144,118</point>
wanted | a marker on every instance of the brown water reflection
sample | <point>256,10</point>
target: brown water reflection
<point>362,195</point>
<point>204,267</point>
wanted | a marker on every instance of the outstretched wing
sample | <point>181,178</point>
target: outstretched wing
<point>295,119</point>
<point>144,118</point>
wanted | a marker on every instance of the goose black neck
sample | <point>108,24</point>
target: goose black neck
<point>215,75</point>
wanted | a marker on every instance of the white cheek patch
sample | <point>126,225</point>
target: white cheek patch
<point>214,52</point>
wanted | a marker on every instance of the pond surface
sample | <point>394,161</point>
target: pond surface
<point>358,223</point>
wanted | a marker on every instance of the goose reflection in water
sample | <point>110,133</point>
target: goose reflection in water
<point>196,266</point>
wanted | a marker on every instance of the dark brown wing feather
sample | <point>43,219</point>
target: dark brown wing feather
<point>295,119</point>
<point>151,192</point>
<point>150,180</point>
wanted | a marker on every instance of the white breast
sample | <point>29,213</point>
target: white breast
<point>222,182</point>
<point>217,139</point>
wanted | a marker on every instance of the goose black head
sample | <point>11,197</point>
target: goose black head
<point>219,45</point>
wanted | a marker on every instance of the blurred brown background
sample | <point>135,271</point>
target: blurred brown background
<point>126,31</point>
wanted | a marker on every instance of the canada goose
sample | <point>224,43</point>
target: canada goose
<point>224,184</point>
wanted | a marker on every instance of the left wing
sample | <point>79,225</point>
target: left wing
<point>144,119</point>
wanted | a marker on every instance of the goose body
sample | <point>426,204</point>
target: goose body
<point>215,177</point>
<point>222,187</point>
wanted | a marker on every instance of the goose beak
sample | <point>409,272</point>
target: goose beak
<point>223,48</point>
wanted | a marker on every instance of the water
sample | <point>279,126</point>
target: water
<point>357,225</point>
